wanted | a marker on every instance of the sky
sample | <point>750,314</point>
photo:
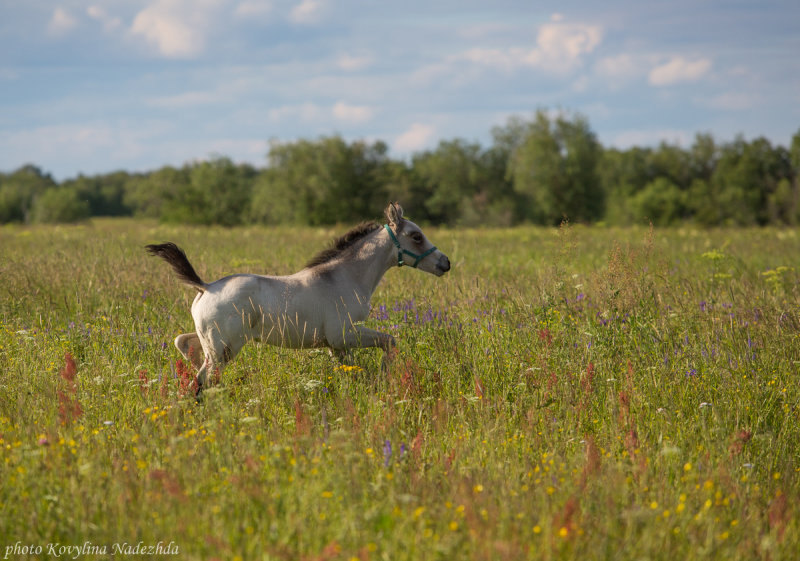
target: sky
<point>90,87</point>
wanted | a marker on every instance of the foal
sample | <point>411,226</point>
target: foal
<point>319,306</point>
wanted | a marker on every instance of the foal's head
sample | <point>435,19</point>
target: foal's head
<point>413,248</point>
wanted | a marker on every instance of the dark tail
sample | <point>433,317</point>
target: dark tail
<point>175,256</point>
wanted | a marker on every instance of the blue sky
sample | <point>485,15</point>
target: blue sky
<point>96,86</point>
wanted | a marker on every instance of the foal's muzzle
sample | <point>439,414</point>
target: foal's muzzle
<point>442,265</point>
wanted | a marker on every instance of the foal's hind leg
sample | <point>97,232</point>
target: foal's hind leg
<point>217,355</point>
<point>190,347</point>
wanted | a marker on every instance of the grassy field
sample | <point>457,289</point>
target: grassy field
<point>574,393</point>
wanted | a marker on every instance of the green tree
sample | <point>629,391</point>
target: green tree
<point>555,168</point>
<point>150,195</point>
<point>104,193</point>
<point>746,176</point>
<point>59,205</point>
<point>321,182</point>
<point>19,189</point>
<point>660,202</point>
<point>217,192</point>
<point>623,174</point>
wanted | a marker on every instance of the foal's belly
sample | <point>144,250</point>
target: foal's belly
<point>285,333</point>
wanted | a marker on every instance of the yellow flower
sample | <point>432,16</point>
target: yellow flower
<point>453,525</point>
<point>327,494</point>
<point>537,529</point>
<point>563,532</point>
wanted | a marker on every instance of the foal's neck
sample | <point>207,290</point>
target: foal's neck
<point>369,261</point>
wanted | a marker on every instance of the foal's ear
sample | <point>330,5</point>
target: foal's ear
<point>394,214</point>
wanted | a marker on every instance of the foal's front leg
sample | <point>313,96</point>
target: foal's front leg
<point>364,337</point>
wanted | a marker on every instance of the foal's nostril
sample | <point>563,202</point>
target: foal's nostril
<point>444,264</point>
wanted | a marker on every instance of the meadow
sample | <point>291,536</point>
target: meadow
<point>565,393</point>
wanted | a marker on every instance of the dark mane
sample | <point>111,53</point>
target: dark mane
<point>340,245</point>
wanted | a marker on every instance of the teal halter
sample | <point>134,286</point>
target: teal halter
<point>401,250</point>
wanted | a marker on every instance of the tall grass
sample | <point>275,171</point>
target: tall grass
<point>573,393</point>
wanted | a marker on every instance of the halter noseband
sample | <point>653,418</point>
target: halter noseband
<point>401,250</point>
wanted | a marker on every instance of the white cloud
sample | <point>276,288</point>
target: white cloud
<point>620,67</point>
<point>629,138</point>
<point>560,47</point>
<point>352,113</point>
<point>186,99</point>
<point>307,12</point>
<point>679,69</point>
<point>176,28</point>
<point>253,9</point>
<point>99,13</point>
<point>352,63</point>
<point>305,112</point>
<point>733,101</point>
<point>416,137</point>
<point>61,22</point>
<point>118,142</point>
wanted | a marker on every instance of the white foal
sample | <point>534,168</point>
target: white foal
<point>319,306</point>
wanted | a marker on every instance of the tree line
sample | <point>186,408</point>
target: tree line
<point>540,170</point>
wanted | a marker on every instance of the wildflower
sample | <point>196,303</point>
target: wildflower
<point>185,378</point>
<point>70,369</point>
<point>387,453</point>
<point>479,392</point>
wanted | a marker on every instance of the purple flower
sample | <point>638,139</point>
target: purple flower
<point>691,373</point>
<point>387,453</point>
<point>383,313</point>
<point>703,306</point>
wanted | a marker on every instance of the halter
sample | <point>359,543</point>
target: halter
<point>401,250</point>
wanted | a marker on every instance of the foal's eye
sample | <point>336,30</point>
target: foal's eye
<point>417,237</point>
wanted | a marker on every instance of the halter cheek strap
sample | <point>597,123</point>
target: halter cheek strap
<point>401,250</point>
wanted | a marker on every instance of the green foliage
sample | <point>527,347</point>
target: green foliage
<point>608,394</point>
<point>18,190</point>
<point>555,168</point>
<point>539,170</point>
<point>322,182</point>
<point>59,205</point>
<point>660,202</point>
<point>104,193</point>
